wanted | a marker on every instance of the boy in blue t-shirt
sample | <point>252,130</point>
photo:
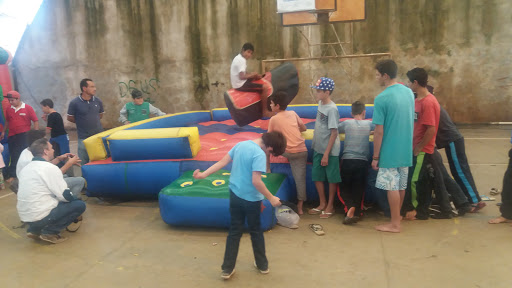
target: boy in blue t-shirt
<point>326,147</point>
<point>246,192</point>
<point>354,163</point>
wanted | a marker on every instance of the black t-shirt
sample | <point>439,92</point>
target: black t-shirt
<point>56,124</point>
<point>447,131</point>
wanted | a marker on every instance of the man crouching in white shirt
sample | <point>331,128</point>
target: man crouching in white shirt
<point>45,202</point>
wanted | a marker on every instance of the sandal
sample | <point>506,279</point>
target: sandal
<point>326,215</point>
<point>317,229</point>
<point>314,211</point>
<point>494,191</point>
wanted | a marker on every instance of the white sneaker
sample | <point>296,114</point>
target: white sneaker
<point>261,271</point>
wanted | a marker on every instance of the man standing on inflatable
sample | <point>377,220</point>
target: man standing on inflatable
<point>243,81</point>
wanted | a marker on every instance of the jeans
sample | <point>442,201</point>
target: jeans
<point>17,143</point>
<point>82,152</point>
<point>76,185</point>
<point>241,210</point>
<point>59,218</point>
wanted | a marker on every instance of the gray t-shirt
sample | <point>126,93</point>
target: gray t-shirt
<point>447,131</point>
<point>327,118</point>
<point>357,141</point>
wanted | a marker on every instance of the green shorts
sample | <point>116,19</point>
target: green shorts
<point>329,173</point>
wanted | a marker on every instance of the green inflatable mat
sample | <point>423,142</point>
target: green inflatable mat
<point>214,186</point>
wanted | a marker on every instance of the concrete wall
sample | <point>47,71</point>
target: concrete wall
<point>179,52</point>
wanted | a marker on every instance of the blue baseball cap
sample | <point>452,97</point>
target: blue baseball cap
<point>324,83</point>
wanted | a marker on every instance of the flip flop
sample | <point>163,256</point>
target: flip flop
<point>314,211</point>
<point>326,215</point>
<point>487,198</point>
<point>317,229</point>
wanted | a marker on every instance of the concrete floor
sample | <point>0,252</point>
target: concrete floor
<point>128,245</point>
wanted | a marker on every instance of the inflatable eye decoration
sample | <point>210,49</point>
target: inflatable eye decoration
<point>185,184</point>
<point>218,182</point>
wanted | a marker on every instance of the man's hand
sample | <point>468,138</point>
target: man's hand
<point>198,175</point>
<point>74,160</point>
<point>64,157</point>
<point>126,122</point>
<point>275,201</point>
<point>325,160</point>
<point>375,165</point>
<point>45,117</point>
<point>416,151</point>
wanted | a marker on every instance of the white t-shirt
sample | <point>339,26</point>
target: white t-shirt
<point>25,157</point>
<point>40,190</point>
<point>238,65</point>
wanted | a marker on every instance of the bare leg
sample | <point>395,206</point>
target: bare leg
<point>351,212</point>
<point>299,206</point>
<point>394,199</point>
<point>332,193</point>
<point>321,194</point>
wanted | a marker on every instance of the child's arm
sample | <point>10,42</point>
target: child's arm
<point>268,162</point>
<point>214,168</point>
<point>123,116</point>
<point>260,186</point>
<point>334,136</point>
<point>155,111</point>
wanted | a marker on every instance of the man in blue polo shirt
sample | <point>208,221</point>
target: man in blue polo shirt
<point>86,110</point>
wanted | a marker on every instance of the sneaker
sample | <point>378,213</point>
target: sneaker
<point>226,274</point>
<point>464,209</point>
<point>53,238</point>
<point>32,235</point>
<point>73,227</point>
<point>261,271</point>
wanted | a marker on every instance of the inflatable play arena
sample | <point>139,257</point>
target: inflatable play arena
<point>155,157</point>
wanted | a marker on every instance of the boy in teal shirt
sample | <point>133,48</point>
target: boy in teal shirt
<point>138,109</point>
<point>393,115</point>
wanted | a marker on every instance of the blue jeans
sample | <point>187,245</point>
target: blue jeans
<point>76,185</point>
<point>59,218</point>
<point>241,210</point>
<point>82,152</point>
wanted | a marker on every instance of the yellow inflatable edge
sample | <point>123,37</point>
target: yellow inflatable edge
<point>96,149</point>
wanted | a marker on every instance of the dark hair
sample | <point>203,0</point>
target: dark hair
<point>47,103</point>
<point>387,66</point>
<point>83,84</point>
<point>357,108</point>
<point>248,46</point>
<point>37,148</point>
<point>279,98</point>
<point>136,93</point>
<point>275,140</point>
<point>430,89</point>
<point>33,135</point>
<point>418,74</point>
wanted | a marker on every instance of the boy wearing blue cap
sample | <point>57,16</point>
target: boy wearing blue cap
<point>326,147</point>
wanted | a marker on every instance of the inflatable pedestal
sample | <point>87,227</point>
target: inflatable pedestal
<point>205,202</point>
<point>245,107</point>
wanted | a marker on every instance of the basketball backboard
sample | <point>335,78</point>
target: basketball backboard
<point>327,11</point>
